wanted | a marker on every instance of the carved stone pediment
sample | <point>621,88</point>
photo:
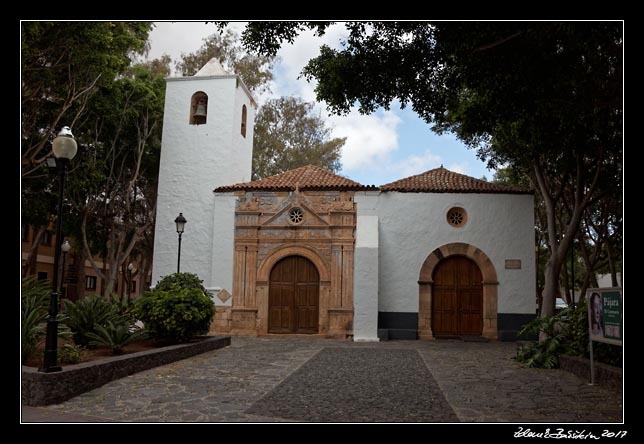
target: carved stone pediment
<point>295,212</point>
<point>248,203</point>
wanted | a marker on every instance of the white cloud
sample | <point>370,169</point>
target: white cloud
<point>370,139</point>
<point>173,38</point>
<point>295,56</point>
<point>416,164</point>
<point>459,167</point>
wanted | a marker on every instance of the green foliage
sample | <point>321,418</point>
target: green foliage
<point>566,333</point>
<point>289,134</point>
<point>576,336</point>
<point>115,336</point>
<point>63,64</point>
<point>544,353</point>
<point>177,309</point>
<point>34,308</point>
<point>35,300</point>
<point>69,354</point>
<point>180,280</point>
<point>87,314</point>
<point>254,70</point>
<point>576,332</point>
<point>124,307</point>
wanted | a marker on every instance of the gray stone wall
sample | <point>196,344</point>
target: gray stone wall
<point>52,388</point>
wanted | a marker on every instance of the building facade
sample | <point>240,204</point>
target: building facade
<point>75,281</point>
<point>307,251</point>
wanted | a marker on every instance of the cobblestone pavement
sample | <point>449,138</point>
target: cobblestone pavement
<point>479,381</point>
<point>359,385</point>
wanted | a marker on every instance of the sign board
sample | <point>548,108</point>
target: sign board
<point>605,315</point>
<point>513,264</point>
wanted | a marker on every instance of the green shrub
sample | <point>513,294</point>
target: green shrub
<point>69,354</point>
<point>566,333</point>
<point>86,314</point>
<point>176,314</point>
<point>116,336</point>
<point>544,353</point>
<point>123,307</point>
<point>576,336</point>
<point>180,280</point>
<point>35,297</point>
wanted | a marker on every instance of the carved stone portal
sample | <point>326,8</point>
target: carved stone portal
<point>265,232</point>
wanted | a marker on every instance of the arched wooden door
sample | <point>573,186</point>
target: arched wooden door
<point>457,298</point>
<point>293,298</point>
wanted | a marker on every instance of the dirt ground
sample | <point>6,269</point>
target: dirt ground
<point>95,354</point>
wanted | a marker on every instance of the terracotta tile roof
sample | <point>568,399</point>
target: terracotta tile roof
<point>441,180</point>
<point>308,177</point>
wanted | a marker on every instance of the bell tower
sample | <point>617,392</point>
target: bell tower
<point>207,142</point>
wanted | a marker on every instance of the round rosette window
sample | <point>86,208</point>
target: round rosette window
<point>457,217</point>
<point>296,216</point>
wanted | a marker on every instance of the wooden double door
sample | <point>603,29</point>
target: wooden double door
<point>294,296</point>
<point>457,298</point>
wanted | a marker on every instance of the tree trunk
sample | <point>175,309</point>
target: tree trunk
<point>565,277</point>
<point>611,264</point>
<point>551,288</point>
<point>31,261</point>
<point>80,273</point>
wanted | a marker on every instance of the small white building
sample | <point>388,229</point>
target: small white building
<point>438,254</point>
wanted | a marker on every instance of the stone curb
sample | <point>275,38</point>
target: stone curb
<point>52,388</point>
<point>606,375</point>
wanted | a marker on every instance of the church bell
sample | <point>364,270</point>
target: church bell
<point>201,110</point>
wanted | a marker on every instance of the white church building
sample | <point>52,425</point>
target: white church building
<point>438,254</point>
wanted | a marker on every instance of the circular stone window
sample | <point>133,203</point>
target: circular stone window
<point>457,217</point>
<point>296,216</point>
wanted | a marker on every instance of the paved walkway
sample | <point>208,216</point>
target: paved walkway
<point>324,380</point>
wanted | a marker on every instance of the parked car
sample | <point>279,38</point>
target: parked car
<point>560,304</point>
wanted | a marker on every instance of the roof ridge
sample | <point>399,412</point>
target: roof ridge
<point>309,177</point>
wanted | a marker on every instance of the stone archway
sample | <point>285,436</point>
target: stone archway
<point>490,287</point>
<point>263,278</point>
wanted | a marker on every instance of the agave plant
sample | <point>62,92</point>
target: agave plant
<point>35,300</point>
<point>87,314</point>
<point>115,336</point>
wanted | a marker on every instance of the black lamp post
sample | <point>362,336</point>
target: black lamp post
<point>130,267</point>
<point>65,247</point>
<point>64,147</point>
<point>181,222</point>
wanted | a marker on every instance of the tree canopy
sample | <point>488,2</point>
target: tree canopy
<point>254,70</point>
<point>63,64</point>
<point>80,74</point>
<point>290,134</point>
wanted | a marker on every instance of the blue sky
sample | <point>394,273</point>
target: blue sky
<point>380,148</point>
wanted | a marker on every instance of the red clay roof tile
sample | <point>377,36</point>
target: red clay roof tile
<point>441,180</point>
<point>308,177</point>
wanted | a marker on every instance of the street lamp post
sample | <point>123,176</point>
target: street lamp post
<point>64,147</point>
<point>181,222</point>
<point>130,267</point>
<point>65,247</point>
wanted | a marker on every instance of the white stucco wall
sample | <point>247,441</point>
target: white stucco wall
<point>412,225</point>
<point>223,246</point>
<point>195,159</point>
<point>365,277</point>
